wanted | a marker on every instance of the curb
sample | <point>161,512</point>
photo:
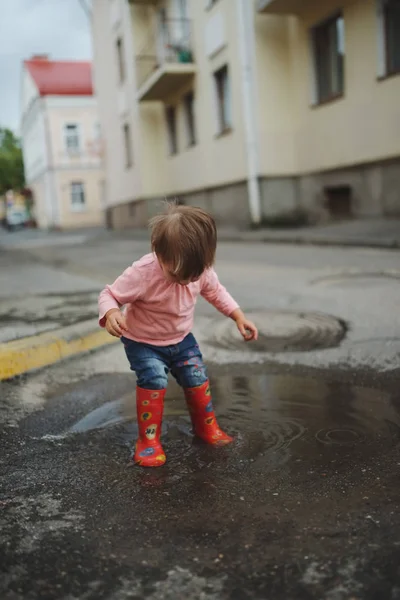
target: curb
<point>390,244</point>
<point>295,239</point>
<point>27,354</point>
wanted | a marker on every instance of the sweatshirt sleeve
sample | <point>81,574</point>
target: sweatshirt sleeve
<point>215,293</point>
<point>126,289</point>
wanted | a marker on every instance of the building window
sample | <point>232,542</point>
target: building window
<point>121,60</point>
<point>170,117</point>
<point>127,145</point>
<point>391,25</point>
<point>329,57</point>
<point>223,99</point>
<point>78,200</point>
<point>72,138</point>
<point>190,118</point>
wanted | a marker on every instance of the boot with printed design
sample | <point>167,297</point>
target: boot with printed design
<point>202,413</point>
<point>149,406</point>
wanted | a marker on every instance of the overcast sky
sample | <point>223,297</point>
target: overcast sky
<point>56,27</point>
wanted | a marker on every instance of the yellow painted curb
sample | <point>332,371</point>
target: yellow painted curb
<point>48,348</point>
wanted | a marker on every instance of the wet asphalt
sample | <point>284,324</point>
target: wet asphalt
<point>304,505</point>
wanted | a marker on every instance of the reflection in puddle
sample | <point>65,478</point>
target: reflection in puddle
<point>106,415</point>
<point>274,419</point>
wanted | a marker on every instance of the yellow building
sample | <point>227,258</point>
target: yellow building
<point>250,108</point>
<point>61,143</point>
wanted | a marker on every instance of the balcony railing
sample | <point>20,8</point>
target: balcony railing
<point>168,52</point>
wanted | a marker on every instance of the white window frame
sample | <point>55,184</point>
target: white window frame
<point>77,192</point>
<point>67,136</point>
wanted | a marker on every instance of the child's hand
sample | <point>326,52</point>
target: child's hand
<point>115,323</point>
<point>247,328</point>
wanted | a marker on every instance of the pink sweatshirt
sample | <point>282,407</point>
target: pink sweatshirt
<point>159,312</point>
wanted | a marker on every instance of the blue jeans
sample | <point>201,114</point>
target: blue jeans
<point>153,363</point>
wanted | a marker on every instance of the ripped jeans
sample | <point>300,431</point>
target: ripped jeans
<point>153,363</point>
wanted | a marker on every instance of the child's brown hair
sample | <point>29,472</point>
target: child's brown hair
<point>184,238</point>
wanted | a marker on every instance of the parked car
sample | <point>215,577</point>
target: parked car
<point>16,218</point>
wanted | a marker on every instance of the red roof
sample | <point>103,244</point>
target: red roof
<point>61,78</point>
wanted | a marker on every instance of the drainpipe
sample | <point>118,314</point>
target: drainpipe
<point>245,9</point>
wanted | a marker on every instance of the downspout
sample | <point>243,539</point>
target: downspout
<point>245,20</point>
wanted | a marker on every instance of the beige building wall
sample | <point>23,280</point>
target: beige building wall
<point>213,161</point>
<point>352,141</point>
<point>84,166</point>
<point>92,180</point>
<point>301,149</point>
<point>359,127</point>
<point>38,188</point>
<point>51,168</point>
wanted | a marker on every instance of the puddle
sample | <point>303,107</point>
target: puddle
<point>283,331</point>
<point>274,418</point>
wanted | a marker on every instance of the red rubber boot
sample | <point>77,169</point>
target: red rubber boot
<point>202,413</point>
<point>149,406</point>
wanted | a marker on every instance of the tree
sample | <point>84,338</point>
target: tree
<point>11,162</point>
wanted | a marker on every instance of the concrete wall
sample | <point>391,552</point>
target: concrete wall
<point>375,189</point>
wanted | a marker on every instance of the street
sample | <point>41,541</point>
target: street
<point>303,505</point>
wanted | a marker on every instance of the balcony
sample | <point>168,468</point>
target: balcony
<point>165,64</point>
<point>281,7</point>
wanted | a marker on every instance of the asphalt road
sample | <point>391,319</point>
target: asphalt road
<point>304,504</point>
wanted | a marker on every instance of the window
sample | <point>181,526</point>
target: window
<point>223,98</point>
<point>391,22</point>
<point>170,116</point>
<point>71,136</point>
<point>328,49</point>
<point>127,145</point>
<point>78,200</point>
<point>190,119</point>
<point>121,60</point>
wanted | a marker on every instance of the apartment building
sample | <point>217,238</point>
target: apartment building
<point>62,143</point>
<point>253,109</point>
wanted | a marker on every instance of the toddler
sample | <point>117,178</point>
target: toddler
<point>160,292</point>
